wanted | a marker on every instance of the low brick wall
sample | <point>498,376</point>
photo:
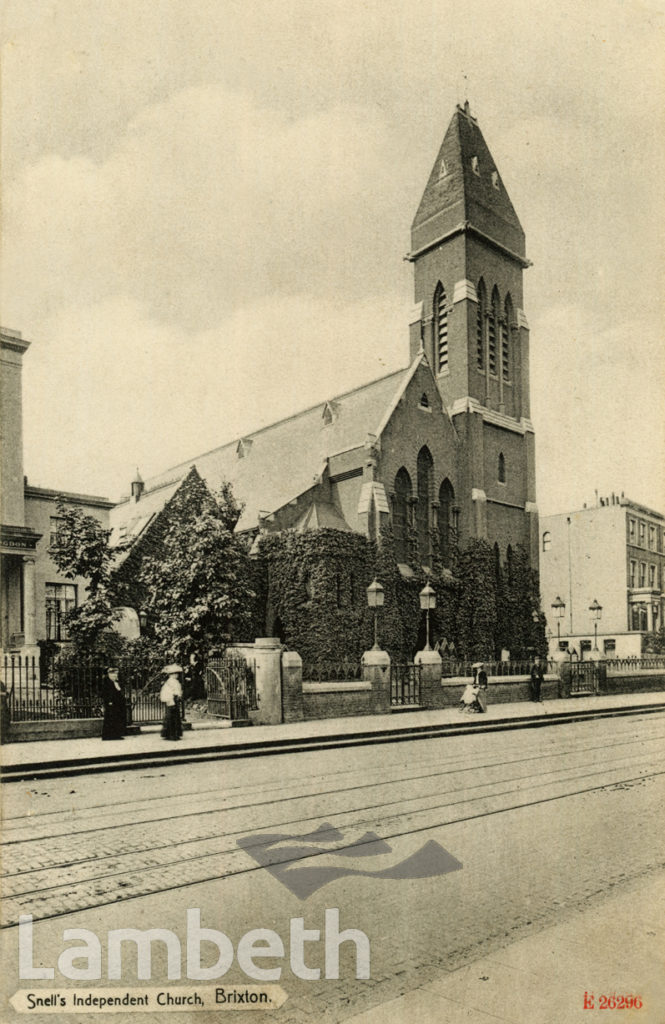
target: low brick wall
<point>61,729</point>
<point>340,700</point>
<point>507,690</point>
<point>633,682</point>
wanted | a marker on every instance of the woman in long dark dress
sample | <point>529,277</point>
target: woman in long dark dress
<point>115,709</point>
<point>170,696</point>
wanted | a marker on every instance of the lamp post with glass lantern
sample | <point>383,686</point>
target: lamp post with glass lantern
<point>596,611</point>
<point>427,601</point>
<point>375,596</point>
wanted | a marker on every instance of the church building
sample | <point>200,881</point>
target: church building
<point>443,449</point>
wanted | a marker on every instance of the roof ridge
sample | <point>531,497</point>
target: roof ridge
<point>292,416</point>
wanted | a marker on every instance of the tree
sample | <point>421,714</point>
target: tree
<point>81,548</point>
<point>196,575</point>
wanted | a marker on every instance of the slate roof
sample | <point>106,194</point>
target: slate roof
<point>278,462</point>
<point>129,518</point>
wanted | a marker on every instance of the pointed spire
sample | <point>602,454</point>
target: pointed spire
<point>465,188</point>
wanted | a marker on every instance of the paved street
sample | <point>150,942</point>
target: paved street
<point>544,823</point>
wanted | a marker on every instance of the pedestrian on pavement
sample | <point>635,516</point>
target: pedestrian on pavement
<point>536,681</point>
<point>171,696</point>
<point>473,699</point>
<point>481,681</point>
<point>115,707</point>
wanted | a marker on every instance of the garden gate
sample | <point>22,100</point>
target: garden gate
<point>230,683</point>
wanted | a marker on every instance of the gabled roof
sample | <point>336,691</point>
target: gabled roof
<point>130,518</point>
<point>465,187</point>
<point>320,515</point>
<point>281,461</point>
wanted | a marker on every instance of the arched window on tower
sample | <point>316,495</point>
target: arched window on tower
<point>493,329</point>
<point>424,511</point>
<point>401,501</point>
<point>505,338</point>
<point>447,531</point>
<point>480,325</point>
<point>440,328</point>
<point>502,468</point>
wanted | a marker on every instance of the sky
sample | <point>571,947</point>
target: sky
<point>206,206</point>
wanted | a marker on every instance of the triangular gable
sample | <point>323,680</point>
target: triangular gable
<point>434,396</point>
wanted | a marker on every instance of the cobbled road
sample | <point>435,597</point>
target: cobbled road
<point>544,823</point>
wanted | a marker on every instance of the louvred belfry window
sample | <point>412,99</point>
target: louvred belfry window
<point>505,338</point>
<point>441,328</point>
<point>493,329</point>
<point>480,327</point>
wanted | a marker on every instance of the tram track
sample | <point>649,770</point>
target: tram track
<point>447,765</point>
<point>189,861</point>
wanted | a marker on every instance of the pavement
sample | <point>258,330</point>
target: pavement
<point>607,958</point>
<point>216,740</point>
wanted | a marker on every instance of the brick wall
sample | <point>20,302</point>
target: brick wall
<point>506,691</point>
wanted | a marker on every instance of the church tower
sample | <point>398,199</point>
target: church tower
<point>468,252</point>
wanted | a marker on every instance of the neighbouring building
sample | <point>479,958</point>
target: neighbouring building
<point>443,448</point>
<point>612,554</point>
<point>33,593</point>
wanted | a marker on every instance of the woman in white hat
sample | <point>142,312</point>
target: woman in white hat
<point>171,696</point>
<point>473,698</point>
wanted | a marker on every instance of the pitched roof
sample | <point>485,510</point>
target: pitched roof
<point>130,518</point>
<point>465,186</point>
<point>279,462</point>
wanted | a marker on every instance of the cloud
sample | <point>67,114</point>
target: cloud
<point>598,416</point>
<point>207,203</point>
<point>108,387</point>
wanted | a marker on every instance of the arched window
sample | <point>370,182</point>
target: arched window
<point>401,514</point>
<point>493,329</point>
<point>502,468</point>
<point>441,328</point>
<point>423,514</point>
<point>447,533</point>
<point>547,540</point>
<point>505,338</point>
<point>480,325</point>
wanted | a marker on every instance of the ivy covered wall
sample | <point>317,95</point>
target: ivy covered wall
<point>311,591</point>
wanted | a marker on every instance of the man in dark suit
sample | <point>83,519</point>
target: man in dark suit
<point>536,681</point>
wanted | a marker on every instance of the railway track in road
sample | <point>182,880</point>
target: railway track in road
<point>132,848</point>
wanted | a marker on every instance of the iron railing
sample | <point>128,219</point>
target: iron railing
<point>404,684</point>
<point>495,669</point>
<point>618,666</point>
<point>332,671</point>
<point>34,695</point>
<point>72,689</point>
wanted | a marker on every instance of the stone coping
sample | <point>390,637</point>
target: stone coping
<point>337,687</point>
<point>495,680</point>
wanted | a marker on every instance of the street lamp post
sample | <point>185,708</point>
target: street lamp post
<point>559,608</point>
<point>375,596</point>
<point>427,601</point>
<point>596,611</point>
